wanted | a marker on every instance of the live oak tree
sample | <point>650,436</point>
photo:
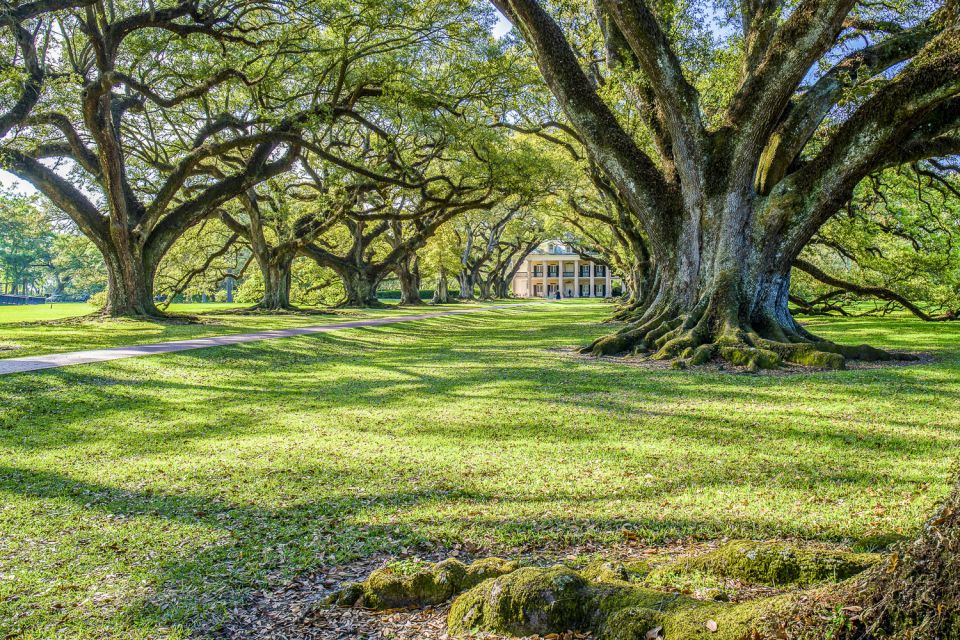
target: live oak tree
<point>375,68</point>
<point>440,260</point>
<point>277,226</point>
<point>144,127</point>
<point>732,167</point>
<point>426,171</point>
<point>493,245</point>
<point>200,264</point>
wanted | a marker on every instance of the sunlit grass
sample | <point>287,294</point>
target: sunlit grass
<point>28,330</point>
<point>145,497</point>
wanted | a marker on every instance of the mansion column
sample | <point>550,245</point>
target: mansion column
<point>593,269</point>
<point>608,282</point>
<point>546,289</point>
<point>529,277</point>
<point>576,277</point>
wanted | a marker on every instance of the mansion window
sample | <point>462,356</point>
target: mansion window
<point>584,271</point>
<point>538,270</point>
<point>552,270</point>
<point>599,270</point>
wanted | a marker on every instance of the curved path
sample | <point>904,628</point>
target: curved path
<point>55,360</point>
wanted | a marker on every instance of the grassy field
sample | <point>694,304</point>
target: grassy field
<point>30,330</point>
<point>146,497</point>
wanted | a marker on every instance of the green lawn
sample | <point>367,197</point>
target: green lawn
<point>146,497</point>
<point>30,330</point>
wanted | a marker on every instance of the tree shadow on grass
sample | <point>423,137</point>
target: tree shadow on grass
<point>433,384</point>
<point>264,547</point>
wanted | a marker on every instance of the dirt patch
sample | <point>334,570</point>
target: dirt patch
<point>8,347</point>
<point>787,369</point>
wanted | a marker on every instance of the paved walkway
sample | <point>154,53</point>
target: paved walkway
<point>55,360</point>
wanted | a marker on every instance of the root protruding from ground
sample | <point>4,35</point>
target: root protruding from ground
<point>621,601</point>
<point>703,335</point>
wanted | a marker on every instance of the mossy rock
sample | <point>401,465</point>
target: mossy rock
<point>396,587</point>
<point>525,602</point>
<point>776,563</point>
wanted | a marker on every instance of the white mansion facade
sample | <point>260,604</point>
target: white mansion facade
<point>553,267</point>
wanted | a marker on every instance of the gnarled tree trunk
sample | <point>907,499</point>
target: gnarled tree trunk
<point>725,293</point>
<point>360,286</point>
<point>276,271</point>
<point>727,208</point>
<point>441,295</point>
<point>130,277</point>
<point>467,284</point>
<point>408,273</point>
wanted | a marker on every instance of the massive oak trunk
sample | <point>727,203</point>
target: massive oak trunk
<point>727,207</point>
<point>276,282</point>
<point>129,284</point>
<point>408,273</point>
<point>131,268</point>
<point>360,285</point>
<point>722,292</point>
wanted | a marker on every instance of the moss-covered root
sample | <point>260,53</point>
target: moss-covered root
<point>688,619</point>
<point>773,563</point>
<point>399,586</point>
<point>526,602</point>
<point>544,601</point>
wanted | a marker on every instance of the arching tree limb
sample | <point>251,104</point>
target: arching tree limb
<point>878,292</point>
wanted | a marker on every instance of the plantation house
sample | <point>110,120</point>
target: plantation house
<point>554,267</point>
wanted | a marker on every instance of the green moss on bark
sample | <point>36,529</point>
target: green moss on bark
<point>776,564</point>
<point>528,601</point>
<point>396,587</point>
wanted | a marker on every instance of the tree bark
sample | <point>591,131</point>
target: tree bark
<point>725,294</point>
<point>360,286</point>
<point>916,594</point>
<point>441,295</point>
<point>408,273</point>
<point>130,277</point>
<point>467,284</point>
<point>276,283</point>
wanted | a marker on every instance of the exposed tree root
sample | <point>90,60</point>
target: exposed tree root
<point>617,601</point>
<point>704,334</point>
<point>419,585</point>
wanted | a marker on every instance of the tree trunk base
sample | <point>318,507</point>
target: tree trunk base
<point>363,304</point>
<point>710,331</point>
